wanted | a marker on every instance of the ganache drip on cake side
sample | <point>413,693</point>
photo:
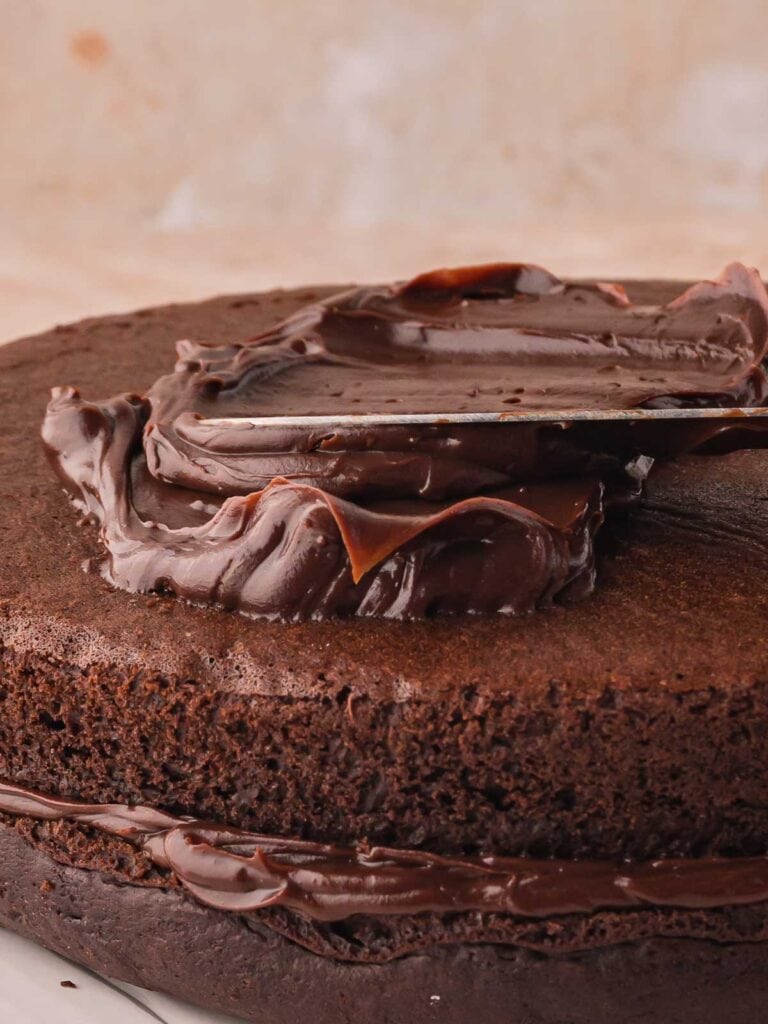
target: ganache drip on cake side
<point>293,523</point>
<point>237,871</point>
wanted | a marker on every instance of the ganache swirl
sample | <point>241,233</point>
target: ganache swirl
<point>292,522</point>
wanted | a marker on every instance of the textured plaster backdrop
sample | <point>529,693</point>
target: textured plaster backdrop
<point>167,149</point>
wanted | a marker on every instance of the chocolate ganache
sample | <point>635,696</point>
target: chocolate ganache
<point>241,872</point>
<point>401,521</point>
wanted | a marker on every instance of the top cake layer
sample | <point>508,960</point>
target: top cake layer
<point>630,723</point>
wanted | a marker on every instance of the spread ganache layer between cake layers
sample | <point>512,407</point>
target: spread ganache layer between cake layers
<point>291,522</point>
<point>236,871</point>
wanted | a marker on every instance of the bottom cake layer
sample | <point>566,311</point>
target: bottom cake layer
<point>163,939</point>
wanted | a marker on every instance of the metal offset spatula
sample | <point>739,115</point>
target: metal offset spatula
<point>330,421</point>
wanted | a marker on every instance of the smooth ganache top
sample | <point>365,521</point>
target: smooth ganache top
<point>293,522</point>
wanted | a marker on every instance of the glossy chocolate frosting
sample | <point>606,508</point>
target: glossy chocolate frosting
<point>297,523</point>
<point>241,872</point>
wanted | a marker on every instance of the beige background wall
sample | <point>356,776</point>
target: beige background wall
<point>154,149</point>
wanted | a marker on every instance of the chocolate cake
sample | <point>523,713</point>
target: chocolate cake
<point>452,723</point>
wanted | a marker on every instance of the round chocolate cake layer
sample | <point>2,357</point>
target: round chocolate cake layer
<point>629,725</point>
<point>160,938</point>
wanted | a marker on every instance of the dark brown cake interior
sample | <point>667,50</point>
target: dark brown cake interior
<point>632,724</point>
